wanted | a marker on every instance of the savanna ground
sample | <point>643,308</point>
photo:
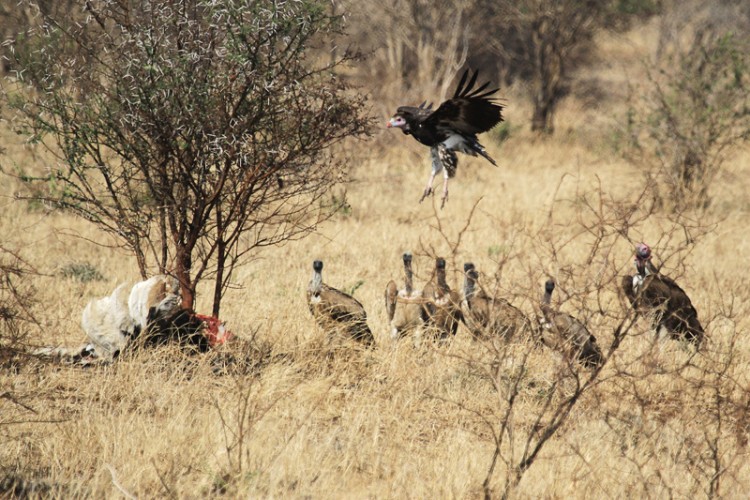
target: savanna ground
<point>307,419</point>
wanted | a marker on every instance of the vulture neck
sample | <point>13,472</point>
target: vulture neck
<point>316,283</point>
<point>645,267</point>
<point>442,284</point>
<point>470,287</point>
<point>545,305</point>
<point>408,280</point>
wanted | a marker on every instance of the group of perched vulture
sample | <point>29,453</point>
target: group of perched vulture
<point>438,309</point>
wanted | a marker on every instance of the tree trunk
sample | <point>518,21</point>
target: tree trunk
<point>541,121</point>
<point>549,74</point>
<point>219,280</point>
<point>221,257</point>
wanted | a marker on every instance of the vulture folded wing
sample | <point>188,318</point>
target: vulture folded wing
<point>342,307</point>
<point>578,340</point>
<point>428,293</point>
<point>679,315</point>
<point>391,295</point>
<point>627,289</point>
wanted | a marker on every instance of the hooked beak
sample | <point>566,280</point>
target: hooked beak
<point>389,124</point>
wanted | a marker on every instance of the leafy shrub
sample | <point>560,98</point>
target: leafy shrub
<point>697,108</point>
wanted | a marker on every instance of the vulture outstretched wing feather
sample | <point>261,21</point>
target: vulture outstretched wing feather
<point>453,126</point>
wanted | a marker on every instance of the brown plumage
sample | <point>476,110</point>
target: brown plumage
<point>565,333</point>
<point>653,294</point>
<point>406,307</point>
<point>336,311</point>
<point>487,316</point>
<point>443,305</point>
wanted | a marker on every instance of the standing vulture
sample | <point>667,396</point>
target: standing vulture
<point>452,127</point>
<point>443,305</point>
<point>563,332</point>
<point>336,311</point>
<point>489,316</point>
<point>406,307</point>
<point>652,293</point>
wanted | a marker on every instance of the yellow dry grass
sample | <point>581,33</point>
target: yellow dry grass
<point>399,421</point>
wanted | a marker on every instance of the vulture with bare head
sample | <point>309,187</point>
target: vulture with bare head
<point>488,316</point>
<point>336,311</point>
<point>406,307</point>
<point>442,305</point>
<point>652,293</point>
<point>452,127</point>
<point>563,332</point>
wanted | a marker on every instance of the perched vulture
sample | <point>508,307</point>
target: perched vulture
<point>452,127</point>
<point>443,305</point>
<point>406,307</point>
<point>565,333</point>
<point>652,293</point>
<point>336,311</point>
<point>489,316</point>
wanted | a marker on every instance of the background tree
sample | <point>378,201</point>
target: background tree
<point>543,41</point>
<point>419,47</point>
<point>17,17</point>
<point>194,131</point>
<point>695,107</point>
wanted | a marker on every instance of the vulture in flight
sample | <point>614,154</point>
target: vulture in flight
<point>652,293</point>
<point>452,127</point>
<point>335,310</point>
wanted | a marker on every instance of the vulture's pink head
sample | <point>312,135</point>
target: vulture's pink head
<point>642,255</point>
<point>396,121</point>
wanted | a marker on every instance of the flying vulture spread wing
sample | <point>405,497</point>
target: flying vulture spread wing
<point>452,127</point>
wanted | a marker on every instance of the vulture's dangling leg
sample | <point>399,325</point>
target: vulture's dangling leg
<point>449,162</point>
<point>445,189</point>
<point>437,166</point>
<point>428,189</point>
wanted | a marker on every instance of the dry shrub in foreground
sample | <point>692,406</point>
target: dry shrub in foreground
<point>463,417</point>
<point>653,394</point>
<point>17,302</point>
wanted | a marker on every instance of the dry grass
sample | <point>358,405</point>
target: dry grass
<point>400,421</point>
